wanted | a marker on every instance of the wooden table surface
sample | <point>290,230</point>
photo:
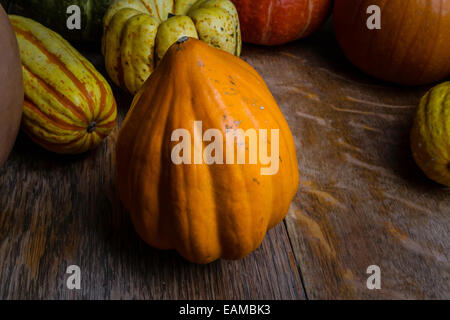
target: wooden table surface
<point>362,201</point>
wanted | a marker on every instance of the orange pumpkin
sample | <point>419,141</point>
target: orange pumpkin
<point>411,48</point>
<point>275,22</point>
<point>204,211</point>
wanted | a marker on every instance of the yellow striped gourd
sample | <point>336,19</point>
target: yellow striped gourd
<point>69,107</point>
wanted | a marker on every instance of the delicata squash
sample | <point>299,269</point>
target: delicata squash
<point>137,33</point>
<point>69,107</point>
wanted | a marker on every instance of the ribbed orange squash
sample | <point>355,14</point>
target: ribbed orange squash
<point>69,107</point>
<point>204,211</point>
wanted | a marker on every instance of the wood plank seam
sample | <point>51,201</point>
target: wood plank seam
<point>299,270</point>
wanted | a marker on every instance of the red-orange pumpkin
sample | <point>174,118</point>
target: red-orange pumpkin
<point>411,48</point>
<point>275,22</point>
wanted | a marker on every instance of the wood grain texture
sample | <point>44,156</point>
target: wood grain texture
<point>362,200</point>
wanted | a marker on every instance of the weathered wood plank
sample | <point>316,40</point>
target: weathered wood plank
<point>362,200</point>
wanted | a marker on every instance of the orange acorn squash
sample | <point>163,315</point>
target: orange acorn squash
<point>205,209</point>
<point>411,48</point>
<point>69,107</point>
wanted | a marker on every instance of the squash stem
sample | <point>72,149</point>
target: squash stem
<point>183,39</point>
